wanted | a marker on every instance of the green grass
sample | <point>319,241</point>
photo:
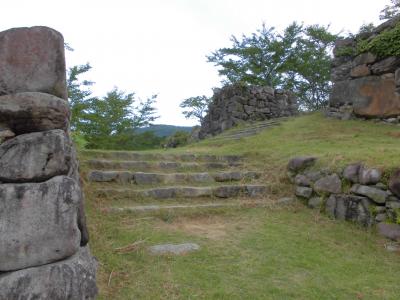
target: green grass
<point>264,253</point>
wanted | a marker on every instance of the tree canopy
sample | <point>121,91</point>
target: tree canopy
<point>298,60</point>
<point>109,122</point>
<point>195,107</point>
<point>389,11</point>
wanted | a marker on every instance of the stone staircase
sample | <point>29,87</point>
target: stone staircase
<point>153,182</point>
<point>249,129</point>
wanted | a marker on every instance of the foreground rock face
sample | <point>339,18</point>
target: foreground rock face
<point>365,85</point>
<point>32,60</point>
<point>233,105</point>
<point>371,96</point>
<point>39,222</point>
<point>43,230</point>
<point>72,278</point>
<point>32,112</point>
<point>35,157</point>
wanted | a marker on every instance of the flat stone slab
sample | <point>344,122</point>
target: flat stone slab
<point>375,194</point>
<point>227,191</point>
<point>32,60</point>
<point>104,164</point>
<point>185,157</point>
<point>38,222</point>
<point>142,178</point>
<point>72,278</point>
<point>33,112</point>
<point>174,249</point>
<point>35,157</point>
<point>153,208</point>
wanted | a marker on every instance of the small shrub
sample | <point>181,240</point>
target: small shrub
<point>79,140</point>
<point>346,51</point>
<point>179,139</point>
<point>383,45</point>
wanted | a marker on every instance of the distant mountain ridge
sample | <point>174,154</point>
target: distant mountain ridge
<point>163,130</point>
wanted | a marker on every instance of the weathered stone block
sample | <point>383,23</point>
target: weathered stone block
<point>304,192</point>
<point>111,176</point>
<point>370,96</point>
<point>72,278</point>
<point>31,112</point>
<point>300,163</point>
<point>387,65</point>
<point>35,157</point>
<point>375,194</point>
<point>302,180</point>
<point>394,183</point>
<point>342,72</point>
<point>351,172</point>
<point>369,176</point>
<point>360,71</point>
<point>350,208</point>
<point>330,184</point>
<point>32,60</point>
<point>364,59</point>
<point>38,222</point>
<point>390,231</point>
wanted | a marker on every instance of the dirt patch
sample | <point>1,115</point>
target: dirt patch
<point>212,227</point>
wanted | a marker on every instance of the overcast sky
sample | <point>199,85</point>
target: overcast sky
<point>159,46</point>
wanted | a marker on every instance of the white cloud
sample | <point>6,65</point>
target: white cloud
<point>155,46</point>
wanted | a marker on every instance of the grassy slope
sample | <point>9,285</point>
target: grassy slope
<point>334,141</point>
<point>268,253</point>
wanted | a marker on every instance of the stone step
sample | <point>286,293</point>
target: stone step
<point>102,164</point>
<point>140,178</point>
<point>136,156</point>
<point>184,207</point>
<point>225,191</point>
<point>243,133</point>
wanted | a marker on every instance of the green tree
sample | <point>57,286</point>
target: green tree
<point>309,66</point>
<point>390,10</point>
<point>298,59</point>
<point>79,96</point>
<point>195,107</point>
<point>113,119</point>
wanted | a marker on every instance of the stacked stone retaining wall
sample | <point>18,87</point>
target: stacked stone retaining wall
<point>43,234</point>
<point>235,104</point>
<point>368,196</point>
<point>365,85</point>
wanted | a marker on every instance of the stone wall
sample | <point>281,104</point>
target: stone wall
<point>365,85</point>
<point>43,235</point>
<point>235,104</point>
<point>355,193</point>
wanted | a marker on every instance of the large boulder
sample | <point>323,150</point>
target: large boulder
<point>300,163</point>
<point>350,208</point>
<point>351,172</point>
<point>394,183</point>
<point>375,194</point>
<point>390,231</point>
<point>371,96</point>
<point>330,184</point>
<point>31,112</point>
<point>35,157</point>
<point>369,176</point>
<point>387,65</point>
<point>32,60</point>
<point>72,278</point>
<point>38,222</point>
